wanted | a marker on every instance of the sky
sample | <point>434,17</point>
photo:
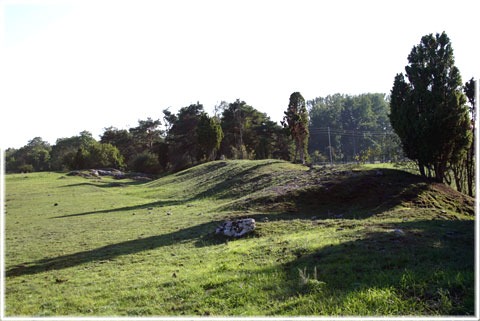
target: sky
<point>69,66</point>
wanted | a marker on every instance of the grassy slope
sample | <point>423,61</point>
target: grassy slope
<point>114,250</point>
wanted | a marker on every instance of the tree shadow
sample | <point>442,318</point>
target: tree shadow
<point>102,184</point>
<point>356,195</point>
<point>204,170</point>
<point>234,184</point>
<point>145,206</point>
<point>202,233</point>
<point>427,260</point>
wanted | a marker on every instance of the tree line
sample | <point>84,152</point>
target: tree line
<point>191,136</point>
<point>429,117</point>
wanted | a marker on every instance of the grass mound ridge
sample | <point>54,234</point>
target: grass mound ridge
<point>224,179</point>
<point>381,244</point>
<point>278,186</point>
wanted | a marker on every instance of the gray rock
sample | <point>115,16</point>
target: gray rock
<point>236,228</point>
<point>105,173</point>
<point>399,232</point>
<point>141,178</point>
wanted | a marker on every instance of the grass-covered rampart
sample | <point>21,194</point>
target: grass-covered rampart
<point>329,241</point>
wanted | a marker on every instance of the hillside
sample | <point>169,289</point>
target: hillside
<point>342,240</point>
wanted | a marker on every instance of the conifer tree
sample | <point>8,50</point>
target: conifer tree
<point>428,112</point>
<point>296,121</point>
<point>209,137</point>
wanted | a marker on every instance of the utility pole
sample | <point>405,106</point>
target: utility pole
<point>329,145</point>
<point>354,146</point>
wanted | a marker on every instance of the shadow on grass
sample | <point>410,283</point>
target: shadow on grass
<point>108,184</point>
<point>430,263</point>
<point>225,189</point>
<point>145,206</point>
<point>231,185</point>
<point>361,195</point>
<point>206,169</point>
<point>202,232</point>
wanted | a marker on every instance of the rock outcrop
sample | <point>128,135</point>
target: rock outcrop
<point>236,228</point>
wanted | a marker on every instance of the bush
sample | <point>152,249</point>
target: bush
<point>105,155</point>
<point>146,162</point>
<point>25,168</point>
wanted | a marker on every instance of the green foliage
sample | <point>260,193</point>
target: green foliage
<point>356,123</point>
<point>468,167</point>
<point>146,134</point>
<point>209,136</point>
<point>105,155</point>
<point>428,112</point>
<point>367,155</point>
<point>181,138</point>
<point>65,149</point>
<point>296,121</point>
<point>123,140</point>
<point>96,155</point>
<point>318,157</point>
<point>36,154</point>
<point>146,162</point>
<point>250,134</point>
<point>25,168</point>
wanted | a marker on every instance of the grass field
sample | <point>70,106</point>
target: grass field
<point>383,243</point>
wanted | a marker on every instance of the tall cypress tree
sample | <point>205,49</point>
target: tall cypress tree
<point>428,112</point>
<point>296,121</point>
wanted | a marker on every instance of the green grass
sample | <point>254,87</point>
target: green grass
<point>110,249</point>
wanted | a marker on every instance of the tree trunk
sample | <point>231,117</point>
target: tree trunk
<point>302,153</point>
<point>439,172</point>
<point>296,151</point>
<point>421,168</point>
<point>470,165</point>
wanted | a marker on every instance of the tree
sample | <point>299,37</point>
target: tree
<point>35,156</point>
<point>233,123</point>
<point>181,138</point>
<point>122,139</point>
<point>105,155</point>
<point>296,120</point>
<point>209,135</point>
<point>248,132</point>
<point>146,162</point>
<point>428,112</point>
<point>469,90</point>
<point>65,149</point>
<point>146,133</point>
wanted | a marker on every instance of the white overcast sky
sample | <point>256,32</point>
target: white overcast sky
<point>72,66</point>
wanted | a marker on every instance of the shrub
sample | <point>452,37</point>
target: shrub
<point>146,162</point>
<point>25,168</point>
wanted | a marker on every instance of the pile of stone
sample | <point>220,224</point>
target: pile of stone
<point>115,173</point>
<point>236,228</point>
